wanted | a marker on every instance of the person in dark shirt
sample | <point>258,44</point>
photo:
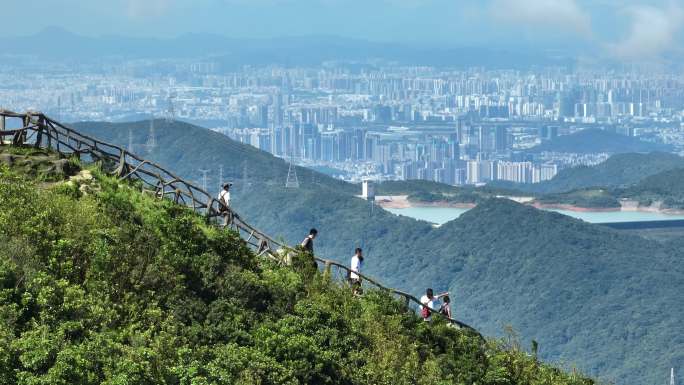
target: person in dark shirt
<point>445,309</point>
<point>308,243</point>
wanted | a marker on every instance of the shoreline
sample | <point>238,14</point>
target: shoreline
<point>402,202</point>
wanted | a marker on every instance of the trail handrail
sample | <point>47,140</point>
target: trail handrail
<point>162,183</point>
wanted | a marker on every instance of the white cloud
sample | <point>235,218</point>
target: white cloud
<point>652,31</point>
<point>143,9</point>
<point>565,15</point>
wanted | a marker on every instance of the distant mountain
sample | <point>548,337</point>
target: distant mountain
<point>58,43</point>
<point>594,141</point>
<point>617,171</point>
<point>609,302</point>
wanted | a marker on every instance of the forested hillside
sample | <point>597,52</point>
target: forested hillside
<point>590,296</point>
<point>587,293</point>
<point>100,284</point>
<point>666,187</point>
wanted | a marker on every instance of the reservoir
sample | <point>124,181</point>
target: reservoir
<point>441,215</point>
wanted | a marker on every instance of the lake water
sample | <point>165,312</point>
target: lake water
<point>441,215</point>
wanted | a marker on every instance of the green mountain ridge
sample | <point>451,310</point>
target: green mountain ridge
<point>100,284</point>
<point>495,259</point>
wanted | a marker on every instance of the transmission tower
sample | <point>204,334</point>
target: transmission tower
<point>292,181</point>
<point>151,137</point>
<point>130,140</point>
<point>245,178</point>
<point>171,111</point>
<point>205,178</point>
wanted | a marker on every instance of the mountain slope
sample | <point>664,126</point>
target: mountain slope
<point>470,255</point>
<point>618,170</point>
<point>116,287</point>
<point>567,284</point>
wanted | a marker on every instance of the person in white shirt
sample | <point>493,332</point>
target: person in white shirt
<point>224,203</point>
<point>356,263</point>
<point>429,300</point>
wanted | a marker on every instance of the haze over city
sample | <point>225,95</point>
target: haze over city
<point>632,29</point>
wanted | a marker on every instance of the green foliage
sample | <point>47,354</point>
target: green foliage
<point>115,287</point>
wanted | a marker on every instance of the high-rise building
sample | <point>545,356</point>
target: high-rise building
<point>501,141</point>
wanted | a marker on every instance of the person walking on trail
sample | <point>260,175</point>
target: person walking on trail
<point>224,204</point>
<point>356,264</point>
<point>445,309</point>
<point>430,302</point>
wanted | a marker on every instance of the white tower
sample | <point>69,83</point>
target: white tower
<point>672,381</point>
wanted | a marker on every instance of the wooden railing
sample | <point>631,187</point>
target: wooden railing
<point>38,130</point>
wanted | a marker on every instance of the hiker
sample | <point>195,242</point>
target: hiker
<point>445,309</point>
<point>430,302</point>
<point>308,245</point>
<point>224,204</point>
<point>354,278</point>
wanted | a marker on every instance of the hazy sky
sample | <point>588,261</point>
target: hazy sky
<point>625,28</point>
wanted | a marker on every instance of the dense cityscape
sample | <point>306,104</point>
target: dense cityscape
<point>371,121</point>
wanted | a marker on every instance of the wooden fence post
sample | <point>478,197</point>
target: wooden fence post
<point>121,169</point>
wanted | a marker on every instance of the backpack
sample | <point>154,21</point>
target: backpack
<point>425,312</point>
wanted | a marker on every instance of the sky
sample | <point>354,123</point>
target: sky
<point>621,28</point>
